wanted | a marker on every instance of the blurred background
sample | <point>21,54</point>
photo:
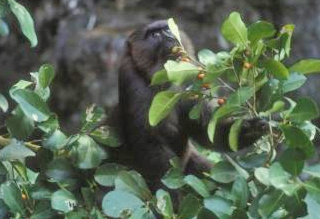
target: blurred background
<point>84,39</point>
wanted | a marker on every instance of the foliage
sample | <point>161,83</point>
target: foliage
<point>75,168</point>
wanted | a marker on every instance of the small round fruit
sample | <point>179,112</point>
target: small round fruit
<point>247,65</point>
<point>201,75</point>
<point>205,85</point>
<point>23,196</point>
<point>221,101</point>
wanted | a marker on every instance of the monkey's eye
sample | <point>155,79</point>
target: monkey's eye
<point>156,34</point>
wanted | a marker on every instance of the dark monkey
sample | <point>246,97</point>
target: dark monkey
<point>147,49</point>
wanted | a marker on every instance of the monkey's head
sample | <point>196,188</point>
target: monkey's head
<point>252,130</point>
<point>150,47</point>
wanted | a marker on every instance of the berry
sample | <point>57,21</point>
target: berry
<point>247,65</point>
<point>205,85</point>
<point>201,75</point>
<point>221,101</point>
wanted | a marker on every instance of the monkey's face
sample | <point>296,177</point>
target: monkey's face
<point>252,130</point>
<point>150,47</point>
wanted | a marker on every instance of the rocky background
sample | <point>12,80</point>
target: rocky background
<point>84,40</point>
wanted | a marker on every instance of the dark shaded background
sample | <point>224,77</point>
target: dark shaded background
<point>84,40</point>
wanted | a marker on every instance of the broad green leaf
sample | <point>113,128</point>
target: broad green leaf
<point>3,103</point>
<point>106,135</point>
<point>159,77</point>
<point>294,81</point>
<point>132,183</point>
<point>223,111</point>
<point>221,207</point>
<point>119,204</point>
<point>19,125</point>
<point>4,29</point>
<point>276,107</point>
<point>206,214</point>
<point>92,117</point>
<point>195,111</point>
<point>234,29</point>
<point>189,207</point>
<point>260,30</point>
<point>313,208</point>
<point>306,66</point>
<point>282,180</point>
<point>173,179</point>
<point>107,173</point>
<point>32,105</point>
<point>207,57</point>
<point>86,154</point>
<point>262,175</point>
<point>60,170</point>
<point>20,85</point>
<point>142,213</point>
<point>313,170</point>
<point>306,109</point>
<point>224,172</point>
<point>164,203</point>
<point>313,188</point>
<point>240,192</point>
<point>197,185</point>
<point>46,75</point>
<point>234,134</point>
<point>15,151</point>
<point>276,68</point>
<point>43,211</point>
<point>161,106</point>
<point>292,160</point>
<point>11,195</point>
<point>63,200</point>
<point>270,203</point>
<point>56,141</point>
<point>174,29</point>
<point>240,96</point>
<point>180,72</point>
<point>49,125</point>
<point>4,8</point>
<point>25,20</point>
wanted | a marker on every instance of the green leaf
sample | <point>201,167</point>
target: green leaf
<point>313,208</point>
<point>19,125</point>
<point>234,134</point>
<point>63,200</point>
<point>25,20</point>
<point>86,154</point>
<point>276,68</point>
<point>4,8</point>
<point>173,179</point>
<point>11,195</point>
<point>270,203</point>
<point>240,96</point>
<point>56,141</point>
<point>161,106</point>
<point>92,118</point>
<point>313,188</point>
<point>281,180</point>
<point>240,193</point>
<point>20,85</point>
<point>142,213</point>
<point>4,29</point>
<point>164,203</point>
<point>221,112</point>
<point>119,204</point>
<point>3,103</point>
<point>260,30</point>
<point>313,170</point>
<point>306,66</point>
<point>46,75</point>
<point>292,160</point>
<point>174,29</point>
<point>60,170</point>
<point>32,105</point>
<point>294,82</point>
<point>221,207</point>
<point>234,29</point>
<point>207,57</point>
<point>132,182</point>
<point>224,172</point>
<point>206,214</point>
<point>189,207</point>
<point>160,77</point>
<point>15,151</point>
<point>197,185</point>
<point>180,72</point>
<point>262,175</point>
<point>106,135</point>
<point>43,211</point>
<point>306,109</point>
<point>107,173</point>
<point>196,110</point>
